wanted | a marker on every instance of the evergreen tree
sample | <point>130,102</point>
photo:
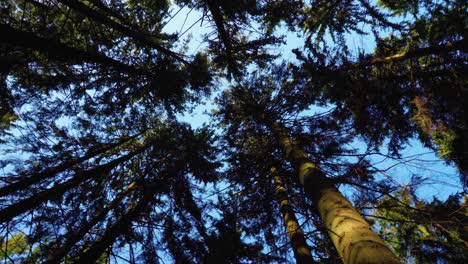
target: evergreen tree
<point>97,167</point>
<point>424,231</point>
<point>257,102</point>
<point>402,88</point>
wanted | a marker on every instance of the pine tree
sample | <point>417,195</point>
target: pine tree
<point>293,228</point>
<point>401,88</point>
<point>423,231</point>
<point>96,164</point>
<point>257,102</point>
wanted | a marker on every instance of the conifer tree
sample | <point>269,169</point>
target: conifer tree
<point>258,103</point>
<point>96,165</point>
<point>423,231</point>
<point>401,88</point>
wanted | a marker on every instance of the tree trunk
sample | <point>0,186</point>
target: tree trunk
<point>352,236</point>
<point>73,238</point>
<point>217,15</point>
<point>293,229</point>
<point>121,226</point>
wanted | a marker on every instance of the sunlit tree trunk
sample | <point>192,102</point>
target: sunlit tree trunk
<point>293,229</point>
<point>352,236</point>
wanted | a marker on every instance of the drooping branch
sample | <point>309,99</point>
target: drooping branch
<point>60,51</point>
<point>24,183</point>
<point>141,36</point>
<point>378,16</point>
<point>58,190</point>
<point>414,53</point>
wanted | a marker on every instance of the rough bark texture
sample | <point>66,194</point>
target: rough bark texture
<point>352,236</point>
<point>293,229</point>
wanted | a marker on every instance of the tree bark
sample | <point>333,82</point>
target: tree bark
<point>293,229</point>
<point>352,236</point>
<point>215,11</point>
<point>122,225</point>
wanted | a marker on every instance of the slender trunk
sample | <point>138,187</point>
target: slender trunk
<point>122,225</point>
<point>150,254</point>
<point>24,183</point>
<point>352,236</point>
<point>215,11</point>
<point>73,238</point>
<point>293,229</point>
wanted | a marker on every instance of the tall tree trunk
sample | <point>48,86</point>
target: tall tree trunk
<point>121,226</point>
<point>60,51</point>
<point>74,237</point>
<point>293,229</point>
<point>352,236</point>
<point>217,15</point>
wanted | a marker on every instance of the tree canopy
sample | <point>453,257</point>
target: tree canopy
<point>97,165</point>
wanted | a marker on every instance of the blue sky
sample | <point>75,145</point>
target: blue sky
<point>441,181</point>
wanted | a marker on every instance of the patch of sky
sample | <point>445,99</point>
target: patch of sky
<point>438,179</point>
<point>432,176</point>
<point>190,27</point>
